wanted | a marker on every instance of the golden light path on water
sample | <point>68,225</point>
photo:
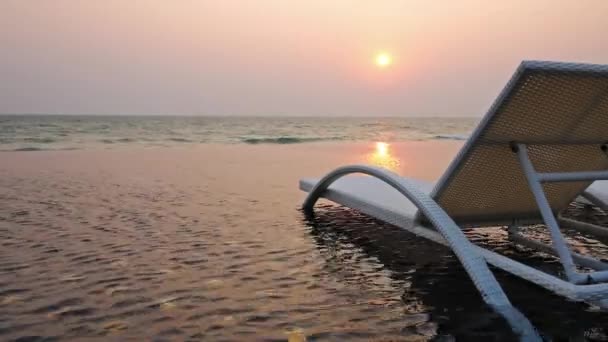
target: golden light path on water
<point>381,156</point>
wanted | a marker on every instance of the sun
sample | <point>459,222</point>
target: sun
<point>383,60</point>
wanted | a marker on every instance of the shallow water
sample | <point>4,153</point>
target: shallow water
<point>209,244</point>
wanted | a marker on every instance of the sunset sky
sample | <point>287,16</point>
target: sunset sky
<point>278,57</point>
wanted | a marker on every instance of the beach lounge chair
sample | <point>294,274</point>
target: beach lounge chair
<point>597,194</point>
<point>541,144</point>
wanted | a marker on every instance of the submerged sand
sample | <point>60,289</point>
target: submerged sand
<point>207,243</point>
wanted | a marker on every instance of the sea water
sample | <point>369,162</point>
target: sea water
<point>55,132</point>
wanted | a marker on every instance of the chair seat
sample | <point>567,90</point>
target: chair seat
<point>597,193</point>
<point>372,197</point>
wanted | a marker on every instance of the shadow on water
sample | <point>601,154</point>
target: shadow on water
<point>433,281</point>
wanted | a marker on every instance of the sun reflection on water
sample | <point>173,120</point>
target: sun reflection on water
<point>381,156</point>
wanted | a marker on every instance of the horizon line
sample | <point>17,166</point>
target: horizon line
<point>248,115</point>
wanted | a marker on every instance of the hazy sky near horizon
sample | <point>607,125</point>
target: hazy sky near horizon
<point>278,57</point>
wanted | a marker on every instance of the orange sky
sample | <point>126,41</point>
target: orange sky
<point>271,57</point>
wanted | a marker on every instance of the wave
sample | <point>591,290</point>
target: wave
<point>119,140</point>
<point>451,137</point>
<point>286,140</point>
<point>130,140</point>
<point>184,140</point>
<point>28,149</point>
<point>39,140</point>
<point>34,149</point>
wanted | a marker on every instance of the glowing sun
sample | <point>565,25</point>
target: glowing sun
<point>383,60</point>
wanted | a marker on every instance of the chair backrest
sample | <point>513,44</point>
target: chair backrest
<point>560,110</point>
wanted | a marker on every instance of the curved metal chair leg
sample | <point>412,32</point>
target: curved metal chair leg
<point>473,262</point>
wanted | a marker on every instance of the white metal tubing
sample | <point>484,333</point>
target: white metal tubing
<point>598,277</point>
<point>594,293</point>
<point>579,259</point>
<point>572,176</point>
<point>472,262</point>
<point>584,227</point>
<point>466,252</point>
<point>558,241</point>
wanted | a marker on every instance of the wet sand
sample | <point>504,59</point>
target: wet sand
<point>207,243</point>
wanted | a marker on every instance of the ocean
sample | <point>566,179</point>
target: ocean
<point>108,231</point>
<point>53,132</point>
